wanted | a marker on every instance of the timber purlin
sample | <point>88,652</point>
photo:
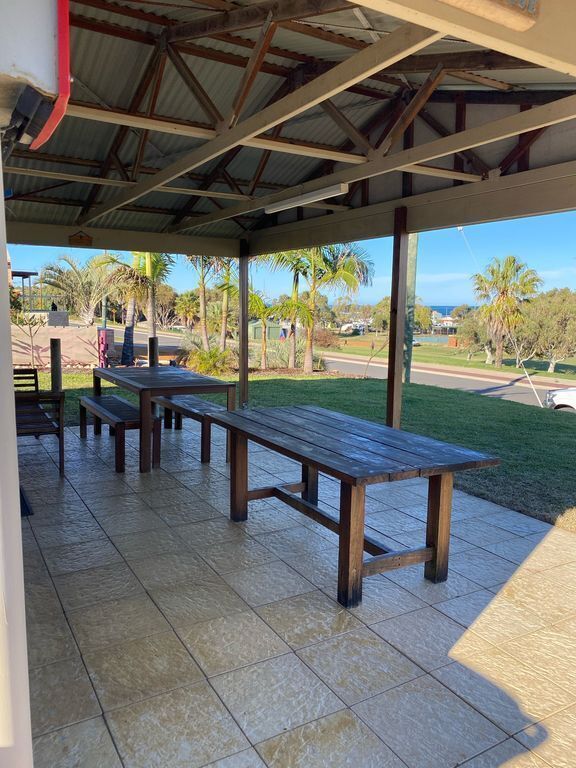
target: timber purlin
<point>358,453</point>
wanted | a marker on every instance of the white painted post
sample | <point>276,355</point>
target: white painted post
<point>15,730</point>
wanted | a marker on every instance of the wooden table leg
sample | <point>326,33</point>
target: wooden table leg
<point>351,545</point>
<point>146,422</point>
<point>97,389</point>
<point>231,406</point>
<point>310,477</point>
<point>238,477</point>
<point>438,525</point>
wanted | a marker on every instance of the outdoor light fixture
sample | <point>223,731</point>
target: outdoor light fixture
<point>308,197</point>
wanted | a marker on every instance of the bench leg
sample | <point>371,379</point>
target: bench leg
<point>177,421</point>
<point>82,422</point>
<point>61,447</point>
<point>167,418</point>
<point>231,406</point>
<point>97,426</point>
<point>351,544</point>
<point>120,447</point>
<point>238,477</point>
<point>146,426</point>
<point>205,441</point>
<point>111,431</point>
<point>156,442</point>
<point>310,478</point>
<point>438,525</point>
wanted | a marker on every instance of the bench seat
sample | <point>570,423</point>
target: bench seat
<point>120,415</point>
<point>191,407</point>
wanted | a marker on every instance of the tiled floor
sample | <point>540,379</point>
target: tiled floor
<point>163,636</point>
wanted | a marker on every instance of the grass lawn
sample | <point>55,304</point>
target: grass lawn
<point>441,354</point>
<point>536,446</point>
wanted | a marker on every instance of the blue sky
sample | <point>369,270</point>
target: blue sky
<point>445,263</point>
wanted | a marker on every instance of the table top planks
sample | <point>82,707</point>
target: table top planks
<point>354,450</point>
<point>162,380</point>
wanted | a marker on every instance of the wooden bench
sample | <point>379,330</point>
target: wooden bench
<point>120,415</point>
<point>191,407</point>
<point>41,413</point>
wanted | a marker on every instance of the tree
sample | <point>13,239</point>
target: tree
<point>258,308</point>
<point>460,312</point>
<point>422,317</point>
<point>473,337</point>
<point>165,305</point>
<point>187,307</point>
<point>227,274</point>
<point>155,267</point>
<point>381,314</point>
<point>203,266</point>
<point>344,266</point>
<point>81,286</point>
<point>504,286</point>
<point>297,265</point>
<point>554,315</point>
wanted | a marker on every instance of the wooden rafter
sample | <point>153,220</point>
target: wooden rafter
<point>194,85</point>
<point>520,151</point>
<point>346,126</point>
<point>402,42</point>
<point>151,108</point>
<point>440,129</point>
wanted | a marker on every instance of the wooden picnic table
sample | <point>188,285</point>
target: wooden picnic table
<point>159,380</point>
<point>358,453</point>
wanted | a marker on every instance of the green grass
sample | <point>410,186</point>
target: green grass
<point>536,446</point>
<point>441,354</point>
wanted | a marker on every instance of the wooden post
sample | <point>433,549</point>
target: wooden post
<point>351,544</point>
<point>410,303</point>
<point>243,323</point>
<point>238,477</point>
<point>153,351</point>
<point>56,365</point>
<point>438,525</point>
<point>397,319</point>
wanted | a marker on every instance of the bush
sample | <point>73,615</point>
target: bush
<point>278,352</point>
<point>326,339</point>
<point>211,363</point>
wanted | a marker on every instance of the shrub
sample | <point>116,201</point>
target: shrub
<point>326,339</point>
<point>213,362</point>
<point>278,355</point>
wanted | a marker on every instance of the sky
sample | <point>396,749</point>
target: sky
<point>446,259</point>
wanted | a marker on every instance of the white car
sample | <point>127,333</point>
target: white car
<point>561,398</point>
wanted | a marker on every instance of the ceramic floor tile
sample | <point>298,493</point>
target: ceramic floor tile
<point>479,532</point>
<point>551,601</point>
<point>554,740</point>
<point>138,545</point>
<point>340,740</point>
<point>59,534</point>
<point>236,555</point>
<point>248,758</point>
<point>427,726</point>
<point>429,638</point>
<point>83,745</point>
<point>79,557</point>
<point>61,694</point>
<point>156,571</point>
<point>83,588</point>
<point>124,674</point>
<point>201,601</point>
<point>320,568</point>
<point>508,754</point>
<point>493,617</point>
<point>412,579</point>
<point>518,550</point>
<point>267,583</point>
<point>552,651</point>
<point>358,665</point>
<point>186,728</point>
<point>114,622</point>
<point>482,567</point>
<point>508,692</point>
<point>307,619</point>
<point>274,696</point>
<point>297,541</point>
<point>209,532</point>
<point>229,642</point>
<point>49,640</point>
<point>381,599</point>
<point>131,521</point>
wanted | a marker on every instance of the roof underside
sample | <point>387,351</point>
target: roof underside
<point>120,68</point>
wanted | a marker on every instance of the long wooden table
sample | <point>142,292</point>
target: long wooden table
<point>159,380</point>
<point>358,453</point>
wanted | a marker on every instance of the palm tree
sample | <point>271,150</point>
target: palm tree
<point>504,286</point>
<point>330,267</point>
<point>226,271</point>
<point>294,262</point>
<point>156,267</point>
<point>203,267</point>
<point>80,286</point>
<point>187,307</point>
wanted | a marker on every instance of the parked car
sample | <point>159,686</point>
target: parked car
<point>561,398</point>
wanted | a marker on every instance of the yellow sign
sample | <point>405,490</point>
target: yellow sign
<point>519,15</point>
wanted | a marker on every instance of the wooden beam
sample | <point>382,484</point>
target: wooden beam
<point>243,318</point>
<point>400,43</point>
<point>459,125</point>
<point>549,43</point>
<point>151,108</point>
<point>254,15</point>
<point>193,85</point>
<point>397,319</point>
<point>432,122</point>
<point>410,113</point>
<point>347,127</point>
<point>473,77</point>
<point>167,125</point>
<point>520,152</point>
<point>252,68</point>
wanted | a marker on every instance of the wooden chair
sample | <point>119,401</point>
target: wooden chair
<point>41,413</point>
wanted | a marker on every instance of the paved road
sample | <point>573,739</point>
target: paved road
<point>514,390</point>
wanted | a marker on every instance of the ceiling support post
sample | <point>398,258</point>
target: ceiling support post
<point>397,327</point>
<point>243,290</point>
<point>410,303</point>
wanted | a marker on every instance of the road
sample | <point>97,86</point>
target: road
<point>518,389</point>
